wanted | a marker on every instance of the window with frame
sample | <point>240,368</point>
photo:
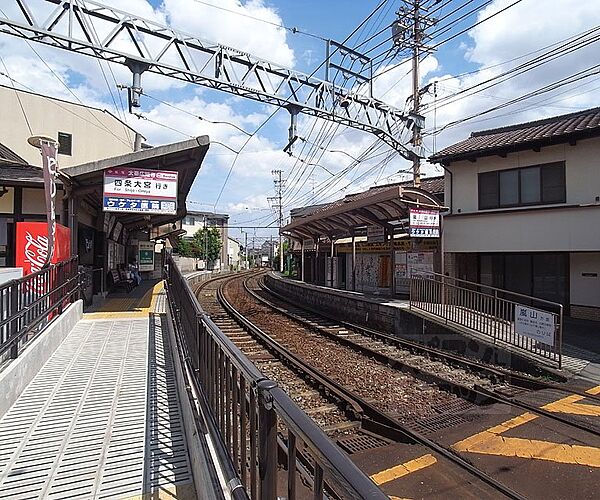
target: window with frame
<point>534,185</point>
<point>65,143</point>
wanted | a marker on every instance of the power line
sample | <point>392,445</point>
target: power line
<point>201,118</point>
<point>293,30</point>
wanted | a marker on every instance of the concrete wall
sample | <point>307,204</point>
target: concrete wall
<point>21,371</point>
<point>96,133</point>
<point>527,229</point>
<point>388,317</point>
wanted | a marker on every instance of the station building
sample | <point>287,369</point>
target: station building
<point>524,209</point>
<point>91,140</point>
<point>85,133</point>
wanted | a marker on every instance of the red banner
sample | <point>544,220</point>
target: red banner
<point>32,245</point>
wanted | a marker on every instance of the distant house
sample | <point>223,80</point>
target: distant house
<point>195,220</point>
<point>525,209</point>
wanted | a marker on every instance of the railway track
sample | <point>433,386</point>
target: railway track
<point>498,384</point>
<point>359,412</point>
<point>359,423</point>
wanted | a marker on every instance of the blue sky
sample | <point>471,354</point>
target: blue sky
<point>510,38</point>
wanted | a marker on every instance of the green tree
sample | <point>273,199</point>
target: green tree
<point>208,238</point>
<point>184,247</point>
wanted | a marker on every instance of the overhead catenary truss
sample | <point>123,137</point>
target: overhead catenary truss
<point>97,30</point>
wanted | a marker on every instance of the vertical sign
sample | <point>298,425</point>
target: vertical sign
<point>49,165</point>
<point>146,255</point>
<point>424,223</point>
<point>535,324</point>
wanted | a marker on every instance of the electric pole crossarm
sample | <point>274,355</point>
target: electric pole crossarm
<point>97,30</point>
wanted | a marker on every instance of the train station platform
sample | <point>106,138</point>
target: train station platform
<point>102,418</point>
<point>581,339</point>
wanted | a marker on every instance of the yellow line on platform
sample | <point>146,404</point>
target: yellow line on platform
<point>404,469</point>
<point>125,307</point>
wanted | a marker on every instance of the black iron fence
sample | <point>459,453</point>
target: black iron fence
<point>28,304</point>
<point>269,446</point>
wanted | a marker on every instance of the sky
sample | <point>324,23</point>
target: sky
<point>492,63</point>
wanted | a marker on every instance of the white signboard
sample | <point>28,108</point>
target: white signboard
<point>419,263</point>
<point>140,191</point>
<point>424,223</point>
<point>535,324</point>
<point>146,255</point>
<point>375,234</point>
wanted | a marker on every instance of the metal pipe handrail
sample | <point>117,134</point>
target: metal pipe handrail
<point>237,393</point>
<point>489,287</point>
<point>26,302</point>
<point>32,276</point>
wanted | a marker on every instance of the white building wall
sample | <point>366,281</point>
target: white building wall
<point>560,230</point>
<point>527,228</point>
<point>96,133</point>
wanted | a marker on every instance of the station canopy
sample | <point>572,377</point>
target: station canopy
<point>384,206</point>
<point>183,157</point>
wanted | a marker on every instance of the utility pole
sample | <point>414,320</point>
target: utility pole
<point>409,33</point>
<point>278,206</point>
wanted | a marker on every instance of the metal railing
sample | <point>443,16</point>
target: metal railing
<point>488,310</point>
<point>28,304</point>
<point>259,428</point>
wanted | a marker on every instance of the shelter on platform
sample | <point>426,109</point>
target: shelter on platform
<point>373,224</point>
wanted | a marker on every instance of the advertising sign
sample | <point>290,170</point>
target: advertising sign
<point>146,255</point>
<point>535,324</point>
<point>32,245</point>
<point>424,223</point>
<point>140,191</point>
<point>49,168</point>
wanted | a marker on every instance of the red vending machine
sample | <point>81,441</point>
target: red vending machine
<point>32,245</point>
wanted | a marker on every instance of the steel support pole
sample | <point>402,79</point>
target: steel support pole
<point>302,260</point>
<point>392,265</point>
<point>331,263</point>
<point>267,441</point>
<point>353,262</point>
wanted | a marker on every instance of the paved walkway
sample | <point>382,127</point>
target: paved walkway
<point>102,418</point>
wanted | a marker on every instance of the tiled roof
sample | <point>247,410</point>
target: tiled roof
<point>433,185</point>
<point>11,173</point>
<point>555,130</point>
<point>8,155</point>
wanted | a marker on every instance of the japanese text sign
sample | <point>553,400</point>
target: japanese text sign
<point>535,324</point>
<point>140,191</point>
<point>424,223</point>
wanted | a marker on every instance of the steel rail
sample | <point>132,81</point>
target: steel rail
<point>376,415</point>
<point>492,372</point>
<point>478,394</point>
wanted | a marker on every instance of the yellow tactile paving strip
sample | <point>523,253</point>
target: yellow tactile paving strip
<point>491,442</point>
<point>125,307</point>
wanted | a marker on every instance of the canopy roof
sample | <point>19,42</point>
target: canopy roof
<point>184,157</point>
<point>385,206</point>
